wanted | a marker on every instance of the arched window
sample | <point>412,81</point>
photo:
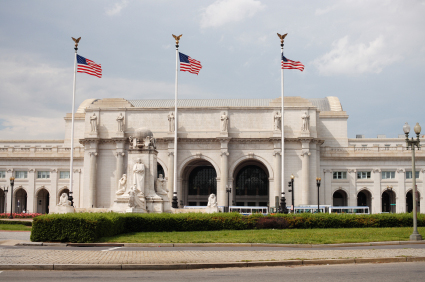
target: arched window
<point>388,201</point>
<point>20,201</point>
<point>160,170</point>
<point>203,181</point>
<point>252,181</point>
<point>339,198</point>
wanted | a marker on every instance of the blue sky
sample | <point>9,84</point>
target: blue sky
<point>370,54</point>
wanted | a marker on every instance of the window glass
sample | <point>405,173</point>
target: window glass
<point>43,174</point>
<point>388,174</point>
<point>64,174</point>
<point>340,175</point>
<point>409,174</point>
<point>2,174</point>
<point>21,174</point>
<point>363,174</point>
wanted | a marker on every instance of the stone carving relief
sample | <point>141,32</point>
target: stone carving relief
<point>306,122</point>
<point>143,139</point>
<point>93,123</point>
<point>120,121</point>
<point>171,122</point>
<point>277,121</point>
<point>224,122</point>
<point>63,201</point>
<point>122,184</point>
<point>134,201</point>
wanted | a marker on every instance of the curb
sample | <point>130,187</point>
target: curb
<point>205,265</point>
<point>181,245</point>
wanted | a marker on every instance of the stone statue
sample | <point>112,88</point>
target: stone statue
<point>306,122</point>
<point>171,125</point>
<point>139,176</point>
<point>161,188</point>
<point>64,200</point>
<point>134,201</point>
<point>120,120</point>
<point>121,185</point>
<point>224,122</point>
<point>93,123</point>
<point>153,142</point>
<point>277,121</point>
<point>212,201</point>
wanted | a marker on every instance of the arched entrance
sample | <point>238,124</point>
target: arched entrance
<point>43,200</point>
<point>388,201</point>
<point>199,181</point>
<point>20,202</point>
<point>2,201</point>
<point>364,198</point>
<point>409,201</point>
<point>339,198</point>
<point>251,185</point>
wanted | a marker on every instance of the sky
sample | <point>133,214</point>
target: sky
<point>369,54</point>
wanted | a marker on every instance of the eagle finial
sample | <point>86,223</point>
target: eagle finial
<point>282,37</point>
<point>177,38</point>
<point>76,41</point>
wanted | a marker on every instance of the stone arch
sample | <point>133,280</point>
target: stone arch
<point>364,198</point>
<point>20,199</point>
<point>339,197</point>
<point>251,183</point>
<point>265,163</point>
<point>188,160</point>
<point>409,201</point>
<point>388,200</point>
<point>42,200</point>
<point>198,181</point>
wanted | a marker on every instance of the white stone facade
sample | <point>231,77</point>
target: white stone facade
<point>246,157</point>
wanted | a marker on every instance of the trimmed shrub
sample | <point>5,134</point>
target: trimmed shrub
<point>90,227</point>
<point>26,223</point>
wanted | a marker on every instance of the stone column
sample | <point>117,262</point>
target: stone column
<point>119,152</point>
<point>305,179</point>
<point>31,197</point>
<point>352,197</point>
<point>221,190</point>
<point>53,190</point>
<point>277,191</point>
<point>327,187</point>
<point>92,183</point>
<point>9,174</point>
<point>401,190</point>
<point>377,199</point>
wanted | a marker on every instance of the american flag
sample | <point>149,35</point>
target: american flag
<point>189,64</point>
<point>289,64</point>
<point>88,66</point>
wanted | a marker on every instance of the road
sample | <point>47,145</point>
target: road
<point>328,273</point>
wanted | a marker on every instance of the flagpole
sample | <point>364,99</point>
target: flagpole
<point>283,208</point>
<point>175,200</point>
<point>71,166</point>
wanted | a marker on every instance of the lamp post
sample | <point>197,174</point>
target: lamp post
<point>318,179</point>
<point>412,144</point>
<point>291,185</point>
<point>282,206</point>
<point>228,191</point>
<point>12,182</point>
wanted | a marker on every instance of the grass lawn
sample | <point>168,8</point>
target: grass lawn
<point>285,236</point>
<point>14,227</point>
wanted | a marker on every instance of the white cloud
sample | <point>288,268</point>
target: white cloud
<point>351,59</point>
<point>20,127</point>
<point>116,8</point>
<point>226,11</point>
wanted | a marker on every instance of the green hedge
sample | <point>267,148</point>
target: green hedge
<point>21,222</point>
<point>90,227</point>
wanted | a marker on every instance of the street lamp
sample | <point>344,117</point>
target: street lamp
<point>318,179</point>
<point>282,207</point>
<point>291,185</point>
<point>412,143</point>
<point>12,182</point>
<point>228,191</point>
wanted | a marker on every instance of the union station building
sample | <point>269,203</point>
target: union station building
<point>245,156</point>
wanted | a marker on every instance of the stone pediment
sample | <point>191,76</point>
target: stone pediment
<point>111,103</point>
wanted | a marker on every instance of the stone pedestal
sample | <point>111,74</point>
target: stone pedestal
<point>154,205</point>
<point>211,210</point>
<point>65,209</point>
<point>135,210</point>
